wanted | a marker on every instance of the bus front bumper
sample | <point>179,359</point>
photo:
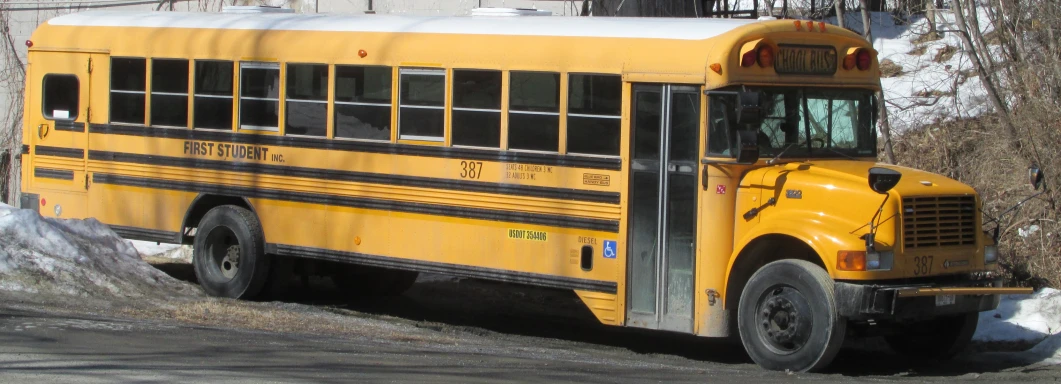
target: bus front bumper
<point>912,303</point>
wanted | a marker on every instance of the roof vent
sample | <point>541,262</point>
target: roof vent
<point>254,9</point>
<point>507,12</point>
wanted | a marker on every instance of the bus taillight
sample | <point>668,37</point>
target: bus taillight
<point>766,56</point>
<point>858,57</point>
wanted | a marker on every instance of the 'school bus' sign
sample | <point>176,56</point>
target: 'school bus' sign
<point>805,60</point>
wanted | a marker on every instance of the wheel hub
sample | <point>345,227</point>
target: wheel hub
<point>784,320</point>
<point>230,263</point>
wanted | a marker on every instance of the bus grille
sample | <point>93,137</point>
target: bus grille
<point>939,221</point>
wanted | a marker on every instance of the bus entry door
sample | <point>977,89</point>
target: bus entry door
<point>663,189</point>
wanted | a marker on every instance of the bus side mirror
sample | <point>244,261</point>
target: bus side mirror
<point>747,146</point>
<point>748,110</point>
<point>1035,176</point>
<point>882,180</point>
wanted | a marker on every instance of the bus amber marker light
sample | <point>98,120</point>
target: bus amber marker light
<point>766,56</point>
<point>29,43</point>
<point>362,53</point>
<point>851,260</point>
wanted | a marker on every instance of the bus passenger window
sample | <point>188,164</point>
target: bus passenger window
<point>128,90</point>
<point>593,114</point>
<point>421,104</point>
<point>213,95</point>
<point>307,100</point>
<point>534,111</point>
<point>259,96</point>
<point>61,97</point>
<point>477,108</point>
<point>169,92</point>
<point>363,102</point>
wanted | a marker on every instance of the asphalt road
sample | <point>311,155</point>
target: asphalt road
<point>486,332</point>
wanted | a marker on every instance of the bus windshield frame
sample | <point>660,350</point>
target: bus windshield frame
<point>840,123</point>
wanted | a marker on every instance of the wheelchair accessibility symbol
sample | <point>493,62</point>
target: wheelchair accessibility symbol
<point>609,249</point>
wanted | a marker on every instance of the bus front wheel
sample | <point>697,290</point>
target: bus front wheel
<point>787,317</point>
<point>229,253</point>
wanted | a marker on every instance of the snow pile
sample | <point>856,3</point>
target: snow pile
<point>75,257</point>
<point>938,80</point>
<point>175,252</point>
<point>1026,319</point>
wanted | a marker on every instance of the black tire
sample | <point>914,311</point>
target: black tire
<point>229,253</point>
<point>937,339</point>
<point>787,317</point>
<point>360,280</point>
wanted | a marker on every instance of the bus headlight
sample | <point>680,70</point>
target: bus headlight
<point>990,254</point>
<point>879,261</point>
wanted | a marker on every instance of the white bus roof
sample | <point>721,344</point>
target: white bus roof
<point>649,28</point>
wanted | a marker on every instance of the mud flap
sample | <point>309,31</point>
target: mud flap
<point>30,201</point>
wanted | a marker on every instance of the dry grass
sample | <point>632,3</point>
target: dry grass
<point>889,68</point>
<point>926,37</point>
<point>918,50</point>
<point>945,54</point>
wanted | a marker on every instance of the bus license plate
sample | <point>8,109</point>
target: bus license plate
<point>942,300</point>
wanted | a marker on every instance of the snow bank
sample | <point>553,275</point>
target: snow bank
<point>937,81</point>
<point>175,252</point>
<point>75,257</point>
<point>1026,319</point>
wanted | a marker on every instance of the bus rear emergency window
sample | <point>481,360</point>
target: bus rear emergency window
<point>61,97</point>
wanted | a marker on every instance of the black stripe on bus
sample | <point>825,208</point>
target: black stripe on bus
<point>134,233</point>
<point>450,269</point>
<point>361,177</point>
<point>366,203</point>
<point>25,149</point>
<point>75,153</point>
<point>69,126</point>
<point>60,174</point>
<point>558,160</point>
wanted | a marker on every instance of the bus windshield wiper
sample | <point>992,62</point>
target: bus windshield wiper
<point>774,160</point>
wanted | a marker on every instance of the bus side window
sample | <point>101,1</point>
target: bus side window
<point>534,111</point>
<point>421,104</point>
<point>213,94</point>
<point>306,100</point>
<point>169,92</point>
<point>720,134</point>
<point>477,108</point>
<point>128,90</point>
<point>259,96</point>
<point>61,97</point>
<point>593,114</point>
<point>363,102</point>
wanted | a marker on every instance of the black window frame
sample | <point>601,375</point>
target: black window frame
<point>362,102</point>
<point>596,115</point>
<point>199,95</point>
<point>459,106</point>
<point>535,112</point>
<point>320,100</point>
<point>142,91</point>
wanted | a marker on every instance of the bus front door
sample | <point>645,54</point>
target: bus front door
<point>663,188</point>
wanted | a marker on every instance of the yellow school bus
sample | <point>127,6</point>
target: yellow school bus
<point>710,177</point>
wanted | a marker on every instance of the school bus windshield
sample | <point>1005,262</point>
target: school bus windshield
<point>799,122</point>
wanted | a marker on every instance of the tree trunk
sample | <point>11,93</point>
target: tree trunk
<point>985,78</point>
<point>930,16</point>
<point>866,31</point>
<point>839,12</point>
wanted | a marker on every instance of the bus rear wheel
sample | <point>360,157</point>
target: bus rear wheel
<point>361,280</point>
<point>937,339</point>
<point>229,253</point>
<point>787,317</point>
